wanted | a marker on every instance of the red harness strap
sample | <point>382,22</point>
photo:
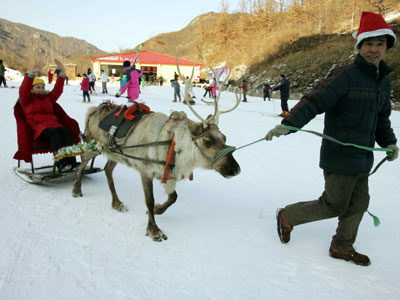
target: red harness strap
<point>170,156</point>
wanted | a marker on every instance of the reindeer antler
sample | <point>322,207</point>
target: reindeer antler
<point>188,84</point>
<point>217,111</point>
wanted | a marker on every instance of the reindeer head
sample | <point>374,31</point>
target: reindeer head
<point>206,135</point>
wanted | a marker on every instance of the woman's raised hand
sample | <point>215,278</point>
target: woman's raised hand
<point>37,67</point>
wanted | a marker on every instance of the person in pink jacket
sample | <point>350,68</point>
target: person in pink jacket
<point>133,86</point>
<point>85,85</point>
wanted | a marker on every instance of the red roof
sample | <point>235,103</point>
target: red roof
<point>146,57</point>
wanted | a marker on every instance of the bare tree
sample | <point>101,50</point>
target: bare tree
<point>224,6</point>
<point>382,6</point>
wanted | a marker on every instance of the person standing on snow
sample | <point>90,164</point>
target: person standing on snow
<point>104,79</point>
<point>284,87</point>
<point>85,86</point>
<point>92,81</point>
<point>2,74</point>
<point>177,89</point>
<point>244,88</point>
<point>355,100</point>
<point>266,88</point>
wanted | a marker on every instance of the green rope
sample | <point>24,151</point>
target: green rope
<point>231,149</point>
<point>249,144</point>
<point>327,137</point>
<point>375,218</point>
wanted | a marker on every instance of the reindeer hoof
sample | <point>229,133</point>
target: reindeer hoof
<point>156,236</point>
<point>121,207</point>
<point>76,195</point>
<point>160,239</point>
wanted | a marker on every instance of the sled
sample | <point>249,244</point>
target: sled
<point>47,173</point>
<point>27,147</point>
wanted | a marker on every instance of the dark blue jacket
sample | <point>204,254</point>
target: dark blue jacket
<point>355,99</point>
<point>284,87</point>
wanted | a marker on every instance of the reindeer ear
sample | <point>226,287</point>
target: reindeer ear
<point>211,120</point>
<point>195,128</point>
<point>178,115</point>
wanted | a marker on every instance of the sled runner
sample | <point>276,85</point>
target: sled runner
<point>47,173</point>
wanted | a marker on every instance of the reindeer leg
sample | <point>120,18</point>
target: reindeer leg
<point>116,203</point>
<point>77,187</point>
<point>152,229</point>
<point>159,209</point>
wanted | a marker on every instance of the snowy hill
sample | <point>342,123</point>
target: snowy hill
<point>222,242</point>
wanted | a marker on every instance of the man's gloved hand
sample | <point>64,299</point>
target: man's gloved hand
<point>118,94</point>
<point>277,131</point>
<point>395,152</point>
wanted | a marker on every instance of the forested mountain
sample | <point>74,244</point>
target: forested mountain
<point>19,43</point>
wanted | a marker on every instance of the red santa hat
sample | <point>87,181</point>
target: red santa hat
<point>372,25</point>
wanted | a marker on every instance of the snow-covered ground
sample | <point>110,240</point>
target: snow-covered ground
<point>222,242</point>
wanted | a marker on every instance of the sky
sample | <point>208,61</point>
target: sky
<point>109,25</point>
<point>222,239</point>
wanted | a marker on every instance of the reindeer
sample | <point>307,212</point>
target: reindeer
<point>196,145</point>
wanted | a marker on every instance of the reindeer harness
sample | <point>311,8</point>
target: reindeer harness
<point>135,112</point>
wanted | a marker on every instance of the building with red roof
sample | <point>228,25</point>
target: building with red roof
<point>153,64</point>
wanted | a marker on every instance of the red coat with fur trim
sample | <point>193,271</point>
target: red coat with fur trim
<point>38,109</point>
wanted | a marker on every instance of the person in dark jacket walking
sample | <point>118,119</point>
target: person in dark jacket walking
<point>355,100</point>
<point>284,87</point>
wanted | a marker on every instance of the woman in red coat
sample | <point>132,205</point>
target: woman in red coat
<point>37,104</point>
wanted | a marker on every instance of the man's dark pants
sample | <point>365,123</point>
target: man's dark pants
<point>345,197</point>
<point>284,101</point>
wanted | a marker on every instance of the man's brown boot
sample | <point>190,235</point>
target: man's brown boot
<point>352,256</point>
<point>283,225</point>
